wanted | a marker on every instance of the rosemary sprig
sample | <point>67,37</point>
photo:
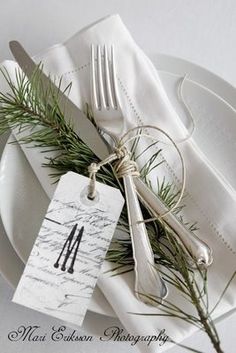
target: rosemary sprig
<point>26,108</point>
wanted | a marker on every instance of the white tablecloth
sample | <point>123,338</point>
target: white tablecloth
<point>200,31</point>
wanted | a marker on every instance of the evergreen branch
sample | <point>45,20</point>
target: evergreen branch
<point>223,293</point>
<point>25,108</point>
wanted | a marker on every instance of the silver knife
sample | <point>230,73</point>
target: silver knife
<point>83,127</point>
<point>88,133</point>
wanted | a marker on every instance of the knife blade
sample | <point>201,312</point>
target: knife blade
<point>83,127</point>
<point>195,247</point>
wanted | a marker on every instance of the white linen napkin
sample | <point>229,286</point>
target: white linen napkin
<point>210,199</point>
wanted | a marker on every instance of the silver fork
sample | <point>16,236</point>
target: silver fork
<point>106,105</point>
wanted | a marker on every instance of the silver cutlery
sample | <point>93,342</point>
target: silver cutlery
<point>106,104</point>
<point>105,101</point>
<point>197,251</point>
<point>193,246</point>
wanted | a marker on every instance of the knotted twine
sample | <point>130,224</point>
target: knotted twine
<point>124,165</point>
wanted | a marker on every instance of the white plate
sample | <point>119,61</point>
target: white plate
<point>25,202</point>
<point>11,266</point>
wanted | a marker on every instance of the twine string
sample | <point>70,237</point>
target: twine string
<point>186,108</point>
<point>124,165</point>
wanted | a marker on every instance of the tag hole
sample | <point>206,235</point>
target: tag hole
<point>88,200</point>
<point>91,198</point>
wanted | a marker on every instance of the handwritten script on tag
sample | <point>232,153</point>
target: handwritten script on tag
<point>66,259</point>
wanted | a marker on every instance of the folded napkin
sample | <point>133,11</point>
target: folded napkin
<point>210,200</point>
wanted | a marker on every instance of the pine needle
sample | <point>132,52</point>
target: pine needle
<point>25,107</point>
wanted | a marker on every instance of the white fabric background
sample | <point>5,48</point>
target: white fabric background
<point>202,32</point>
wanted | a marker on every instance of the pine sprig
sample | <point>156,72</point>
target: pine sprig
<point>25,108</point>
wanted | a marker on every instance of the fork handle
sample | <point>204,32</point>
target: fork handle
<point>147,278</point>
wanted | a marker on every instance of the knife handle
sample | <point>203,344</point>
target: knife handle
<point>193,246</point>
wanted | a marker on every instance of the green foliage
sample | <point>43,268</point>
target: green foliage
<point>26,108</point>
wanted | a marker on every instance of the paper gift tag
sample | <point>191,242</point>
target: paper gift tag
<point>64,264</point>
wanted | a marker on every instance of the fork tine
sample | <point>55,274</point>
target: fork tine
<point>110,100</point>
<point>93,79</point>
<point>100,78</point>
<point>114,82</point>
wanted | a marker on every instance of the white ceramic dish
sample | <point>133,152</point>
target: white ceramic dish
<point>11,266</point>
<point>25,202</point>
